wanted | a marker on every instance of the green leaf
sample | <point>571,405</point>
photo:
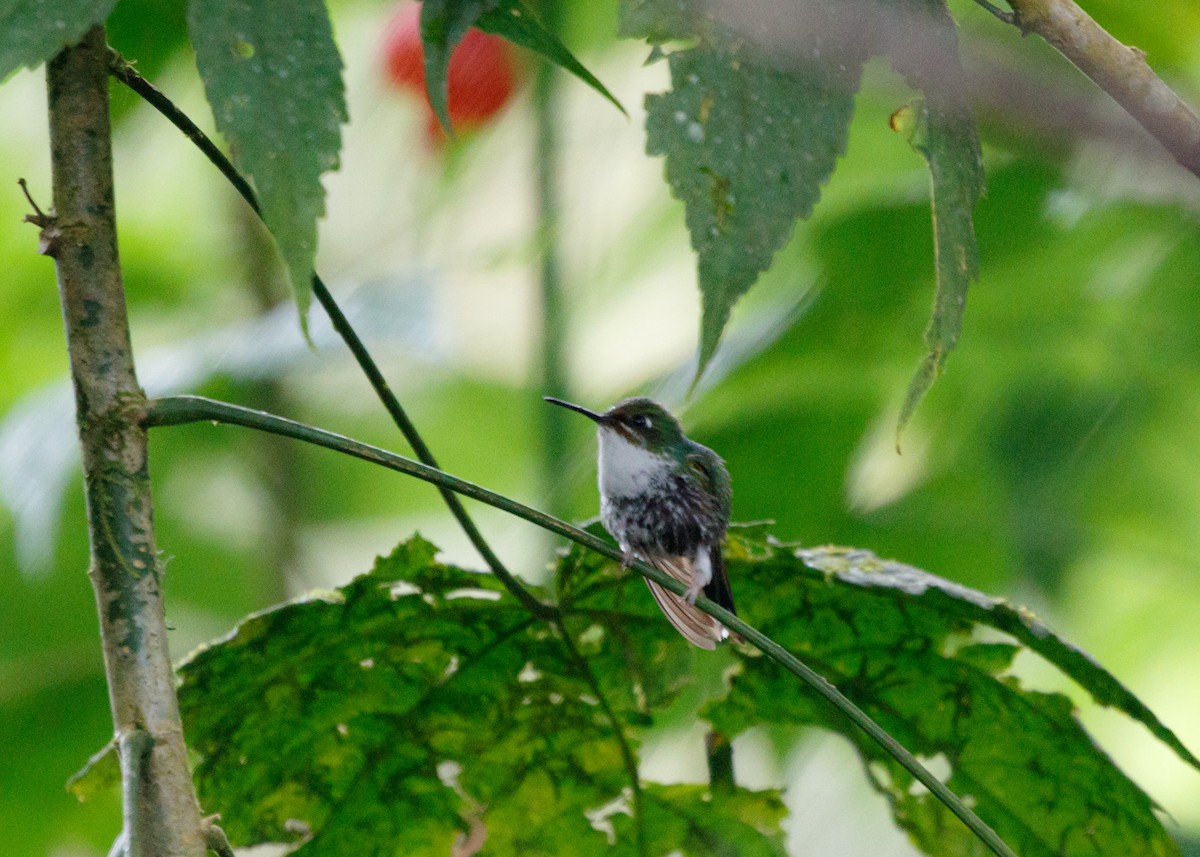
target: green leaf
<point>272,74</point>
<point>101,772</point>
<point>700,821</point>
<point>421,701</point>
<point>36,30</point>
<point>445,22</point>
<point>443,25</point>
<point>659,21</point>
<point>898,642</point>
<point>747,148</point>
<point>944,134</point>
<point>941,128</point>
<point>515,22</point>
<point>959,602</point>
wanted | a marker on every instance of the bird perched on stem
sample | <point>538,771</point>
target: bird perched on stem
<point>665,499</point>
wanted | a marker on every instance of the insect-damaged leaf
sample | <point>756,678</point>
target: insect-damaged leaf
<point>421,702</point>
<point>747,147</point>
<point>897,641</point>
<point>272,74</point>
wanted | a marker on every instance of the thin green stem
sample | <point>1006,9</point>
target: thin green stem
<point>631,767</point>
<point>124,72</point>
<point>178,410</point>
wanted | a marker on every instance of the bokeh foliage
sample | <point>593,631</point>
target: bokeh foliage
<point>1055,457</point>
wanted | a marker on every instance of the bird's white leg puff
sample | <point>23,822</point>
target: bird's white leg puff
<point>702,574</point>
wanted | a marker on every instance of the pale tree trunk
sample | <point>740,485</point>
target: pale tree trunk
<point>161,812</point>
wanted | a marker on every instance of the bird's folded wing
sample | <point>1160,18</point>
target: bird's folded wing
<point>697,626</point>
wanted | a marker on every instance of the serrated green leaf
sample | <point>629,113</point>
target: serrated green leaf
<point>515,22</point>
<point>100,773</point>
<point>747,148</point>
<point>445,22</point>
<point>886,633</point>
<point>422,701</point>
<point>959,602</point>
<point>272,74</point>
<point>36,30</point>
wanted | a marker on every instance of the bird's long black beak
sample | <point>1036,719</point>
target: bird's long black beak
<point>579,409</point>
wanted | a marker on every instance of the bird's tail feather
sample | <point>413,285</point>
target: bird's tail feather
<point>698,627</point>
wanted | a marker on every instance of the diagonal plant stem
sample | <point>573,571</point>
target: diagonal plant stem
<point>631,768</point>
<point>1119,70</point>
<point>179,410</point>
<point>124,72</point>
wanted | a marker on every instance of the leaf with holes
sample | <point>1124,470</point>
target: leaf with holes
<point>898,642</point>
<point>272,74</point>
<point>422,702</point>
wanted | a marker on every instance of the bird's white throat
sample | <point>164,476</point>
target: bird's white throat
<point>626,470</point>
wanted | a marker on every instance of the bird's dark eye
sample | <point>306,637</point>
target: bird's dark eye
<point>641,421</point>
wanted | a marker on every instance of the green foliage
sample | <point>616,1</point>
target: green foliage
<point>445,22</point>
<point>755,122</point>
<point>1063,460</point>
<point>657,21</point>
<point>945,137</point>
<point>34,31</point>
<point>897,641</point>
<point>421,701</point>
<point>693,819</point>
<point>941,128</point>
<point>272,74</point>
<point>101,773</point>
<point>747,148</point>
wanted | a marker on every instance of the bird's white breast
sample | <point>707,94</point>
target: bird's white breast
<point>626,470</point>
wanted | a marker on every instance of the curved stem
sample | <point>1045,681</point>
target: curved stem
<point>177,410</point>
<point>124,72</point>
<point>631,768</point>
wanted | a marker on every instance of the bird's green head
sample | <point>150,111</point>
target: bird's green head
<point>639,421</point>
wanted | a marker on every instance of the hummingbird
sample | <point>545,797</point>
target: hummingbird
<point>665,499</point>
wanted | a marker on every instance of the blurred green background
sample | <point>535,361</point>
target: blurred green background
<point>1057,462</point>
